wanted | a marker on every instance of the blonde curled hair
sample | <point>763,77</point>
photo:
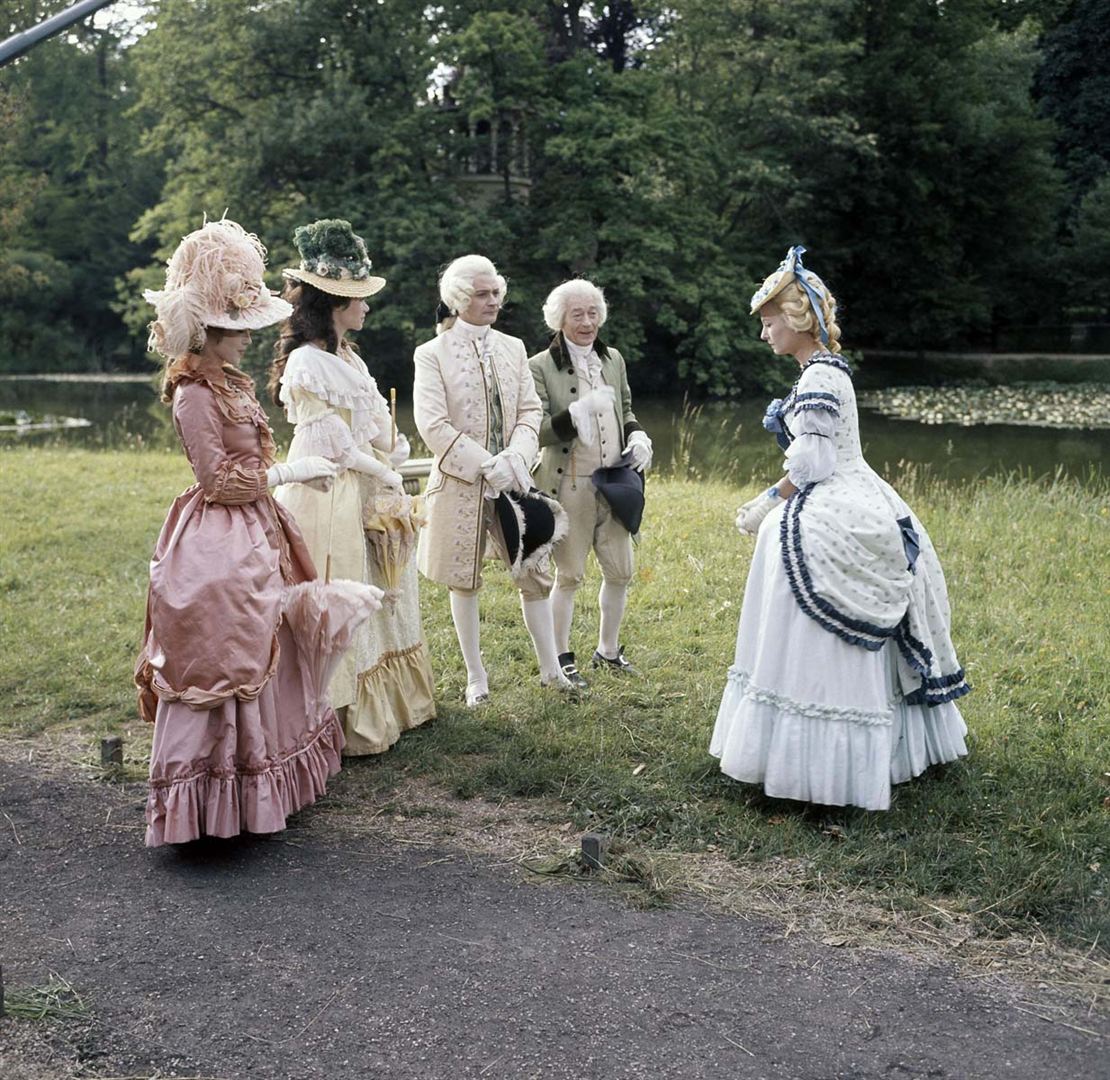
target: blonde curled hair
<point>797,311</point>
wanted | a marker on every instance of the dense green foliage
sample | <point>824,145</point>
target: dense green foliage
<point>72,184</point>
<point>946,164</point>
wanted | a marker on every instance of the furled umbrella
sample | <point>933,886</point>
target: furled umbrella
<point>392,523</point>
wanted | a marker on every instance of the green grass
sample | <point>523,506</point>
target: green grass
<point>1018,833</point>
<point>54,1000</point>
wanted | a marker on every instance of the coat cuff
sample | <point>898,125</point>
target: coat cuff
<point>630,427</point>
<point>563,426</point>
<point>463,459</point>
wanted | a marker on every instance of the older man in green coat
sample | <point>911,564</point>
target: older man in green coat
<point>588,424</point>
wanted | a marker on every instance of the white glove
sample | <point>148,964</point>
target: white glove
<point>593,403</point>
<point>370,466</point>
<point>400,453</point>
<point>639,451</point>
<point>598,402</point>
<point>750,516</point>
<point>316,472</point>
<point>503,473</point>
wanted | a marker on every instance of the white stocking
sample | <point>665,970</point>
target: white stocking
<point>537,617</point>
<point>464,612</point>
<point>612,600</point>
<point>562,611</point>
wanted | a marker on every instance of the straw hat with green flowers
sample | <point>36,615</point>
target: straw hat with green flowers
<point>333,259</point>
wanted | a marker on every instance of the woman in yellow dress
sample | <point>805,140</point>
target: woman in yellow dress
<point>384,685</point>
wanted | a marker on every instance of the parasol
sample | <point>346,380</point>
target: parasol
<point>323,617</point>
<point>392,522</point>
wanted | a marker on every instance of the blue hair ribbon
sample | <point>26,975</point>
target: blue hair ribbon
<point>793,262</point>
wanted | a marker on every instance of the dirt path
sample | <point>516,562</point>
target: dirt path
<point>318,954</point>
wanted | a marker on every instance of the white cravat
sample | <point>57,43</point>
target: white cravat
<point>470,334</point>
<point>587,364</point>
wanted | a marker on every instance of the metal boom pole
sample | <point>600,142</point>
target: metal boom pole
<point>19,43</point>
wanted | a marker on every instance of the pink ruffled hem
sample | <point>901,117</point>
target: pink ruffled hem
<point>211,803</point>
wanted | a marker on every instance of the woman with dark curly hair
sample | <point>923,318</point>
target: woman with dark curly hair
<point>384,684</point>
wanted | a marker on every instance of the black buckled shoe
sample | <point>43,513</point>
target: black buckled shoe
<point>618,665</point>
<point>570,670</point>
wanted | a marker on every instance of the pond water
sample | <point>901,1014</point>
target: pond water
<point>716,439</point>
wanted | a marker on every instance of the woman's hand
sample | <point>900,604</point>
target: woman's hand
<point>377,470</point>
<point>400,452</point>
<point>317,472</point>
<point>750,516</point>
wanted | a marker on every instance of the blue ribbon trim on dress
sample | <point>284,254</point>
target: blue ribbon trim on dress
<point>911,543</point>
<point>773,422</point>
<point>798,403</point>
<point>831,359</point>
<point>934,690</point>
<point>854,631</point>
<point>917,655</point>
<point>934,696</point>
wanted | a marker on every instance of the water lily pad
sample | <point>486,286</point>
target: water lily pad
<point>1076,405</point>
<point>20,421</point>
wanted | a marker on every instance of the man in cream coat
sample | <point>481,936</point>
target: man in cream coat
<point>476,408</point>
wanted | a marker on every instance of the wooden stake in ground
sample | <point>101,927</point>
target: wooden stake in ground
<point>594,848</point>
<point>111,751</point>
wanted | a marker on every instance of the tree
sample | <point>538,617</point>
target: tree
<point>83,186</point>
<point>749,97</point>
<point>1088,251</point>
<point>1073,86</point>
<point>944,230</point>
<point>671,152</point>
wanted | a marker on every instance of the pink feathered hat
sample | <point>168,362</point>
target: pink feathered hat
<point>214,278</point>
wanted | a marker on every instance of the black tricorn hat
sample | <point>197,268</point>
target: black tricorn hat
<point>622,487</point>
<point>531,523</point>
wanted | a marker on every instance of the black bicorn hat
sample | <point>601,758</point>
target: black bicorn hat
<point>622,487</point>
<point>532,523</point>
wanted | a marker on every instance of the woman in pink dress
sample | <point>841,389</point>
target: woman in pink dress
<point>241,740</point>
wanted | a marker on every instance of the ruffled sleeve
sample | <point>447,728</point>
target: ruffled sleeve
<point>812,455</point>
<point>379,407</point>
<point>815,416</point>
<point>319,427</point>
<point>326,377</point>
<point>200,423</point>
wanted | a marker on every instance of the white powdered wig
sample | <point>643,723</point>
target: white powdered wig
<point>562,296</point>
<point>456,283</point>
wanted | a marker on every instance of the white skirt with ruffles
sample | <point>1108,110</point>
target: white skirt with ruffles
<point>811,717</point>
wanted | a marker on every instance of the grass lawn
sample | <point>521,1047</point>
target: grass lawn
<point>1017,834</point>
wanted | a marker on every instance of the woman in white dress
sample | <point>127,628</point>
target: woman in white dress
<point>845,676</point>
<point>384,684</point>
